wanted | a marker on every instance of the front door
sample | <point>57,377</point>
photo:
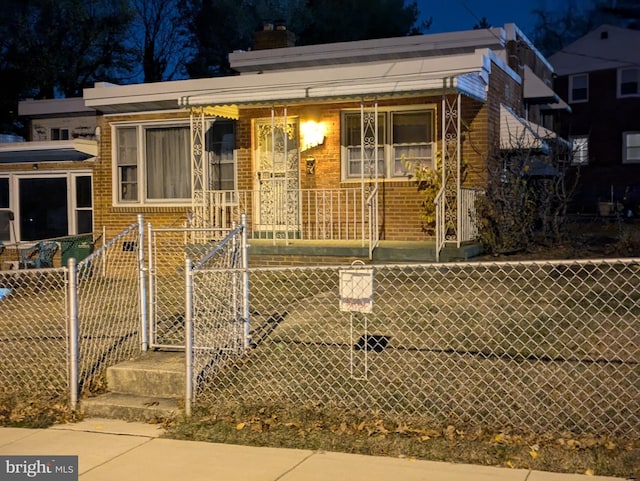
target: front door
<point>277,178</point>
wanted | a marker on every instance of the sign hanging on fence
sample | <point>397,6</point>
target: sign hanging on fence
<point>356,290</point>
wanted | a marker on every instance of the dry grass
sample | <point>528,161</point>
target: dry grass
<point>323,428</point>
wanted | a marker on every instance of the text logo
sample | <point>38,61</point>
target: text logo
<point>50,468</point>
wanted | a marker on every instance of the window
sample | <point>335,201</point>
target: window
<point>353,137</point>
<point>5,231</point>
<point>580,150</point>
<point>59,134</point>
<point>628,82</point>
<point>46,215</point>
<point>579,88</point>
<point>402,136</point>
<point>153,163</point>
<point>220,148</point>
<point>63,205</point>
<point>83,207</point>
<point>631,147</point>
<point>412,140</point>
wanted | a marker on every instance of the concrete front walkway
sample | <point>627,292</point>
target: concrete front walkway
<point>110,450</point>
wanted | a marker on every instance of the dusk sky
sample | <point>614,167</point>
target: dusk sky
<point>452,15</point>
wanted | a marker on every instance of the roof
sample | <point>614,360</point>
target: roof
<point>450,62</point>
<point>465,73</point>
<point>366,51</point>
<point>54,107</point>
<point>48,151</point>
<point>454,62</point>
<point>518,133</point>
<point>606,47</point>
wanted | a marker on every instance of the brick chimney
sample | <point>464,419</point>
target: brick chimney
<point>273,36</point>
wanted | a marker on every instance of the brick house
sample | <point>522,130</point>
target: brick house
<point>599,76</point>
<point>319,143</point>
<point>46,181</point>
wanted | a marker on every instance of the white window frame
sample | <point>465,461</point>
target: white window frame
<point>579,149</point>
<point>572,79</point>
<point>14,179</point>
<point>619,82</point>
<point>386,144</point>
<point>626,159</point>
<point>74,197</point>
<point>141,179</point>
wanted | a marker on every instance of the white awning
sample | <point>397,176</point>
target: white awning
<point>518,133</point>
<point>535,90</point>
<point>465,74</point>
<point>48,151</point>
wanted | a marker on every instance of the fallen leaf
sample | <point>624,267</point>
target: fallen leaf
<point>240,426</point>
<point>533,454</point>
<point>589,472</point>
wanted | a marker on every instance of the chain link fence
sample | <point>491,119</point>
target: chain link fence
<point>217,304</point>
<point>547,346</point>
<point>33,332</point>
<point>109,308</point>
<point>169,247</point>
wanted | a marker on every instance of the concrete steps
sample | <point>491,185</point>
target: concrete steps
<point>144,389</point>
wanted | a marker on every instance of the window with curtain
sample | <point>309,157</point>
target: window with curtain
<point>353,139</point>
<point>168,163</point>
<point>579,150</point>
<point>153,163</point>
<point>404,136</point>
<point>412,140</point>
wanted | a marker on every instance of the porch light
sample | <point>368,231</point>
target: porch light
<point>312,134</point>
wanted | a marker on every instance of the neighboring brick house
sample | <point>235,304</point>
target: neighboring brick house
<point>599,76</point>
<point>46,181</point>
<point>312,142</point>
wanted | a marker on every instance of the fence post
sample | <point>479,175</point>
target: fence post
<point>151,312</point>
<point>245,282</point>
<point>188,320</point>
<point>142,275</point>
<point>72,274</point>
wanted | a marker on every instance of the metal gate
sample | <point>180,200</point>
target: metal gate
<point>168,249</point>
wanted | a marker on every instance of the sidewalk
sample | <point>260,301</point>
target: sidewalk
<point>110,450</point>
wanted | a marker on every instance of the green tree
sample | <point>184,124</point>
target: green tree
<point>55,48</point>
<point>218,27</point>
<point>161,39</point>
<point>482,24</point>
<point>558,27</point>
<point>343,21</point>
<point>222,26</point>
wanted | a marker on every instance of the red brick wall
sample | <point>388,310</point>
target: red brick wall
<point>400,200</point>
<point>115,219</point>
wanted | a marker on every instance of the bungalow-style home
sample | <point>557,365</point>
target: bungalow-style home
<point>599,76</point>
<point>322,142</point>
<point>46,188</point>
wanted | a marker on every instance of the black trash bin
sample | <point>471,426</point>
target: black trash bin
<point>78,247</point>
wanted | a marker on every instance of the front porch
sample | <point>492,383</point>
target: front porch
<point>326,252</point>
<point>335,223</point>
